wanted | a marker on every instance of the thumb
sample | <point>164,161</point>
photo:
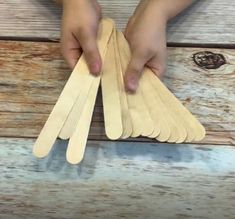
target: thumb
<point>134,71</point>
<point>87,39</point>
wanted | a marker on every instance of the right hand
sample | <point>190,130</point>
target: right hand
<point>80,23</point>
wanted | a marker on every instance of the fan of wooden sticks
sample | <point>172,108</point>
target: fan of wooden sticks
<point>153,111</point>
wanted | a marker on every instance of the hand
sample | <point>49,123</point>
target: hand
<point>146,34</point>
<point>79,31</point>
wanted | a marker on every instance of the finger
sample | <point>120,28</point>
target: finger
<point>87,39</point>
<point>158,65</point>
<point>71,50</point>
<point>134,71</point>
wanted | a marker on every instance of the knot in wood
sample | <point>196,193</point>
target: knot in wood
<point>209,60</point>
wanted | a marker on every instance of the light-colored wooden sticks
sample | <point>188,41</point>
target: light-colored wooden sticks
<point>77,142</point>
<point>153,111</point>
<point>125,113</point>
<point>70,94</point>
<point>175,122</point>
<point>110,94</point>
<point>142,122</point>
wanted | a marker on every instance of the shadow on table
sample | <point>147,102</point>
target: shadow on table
<point>108,152</point>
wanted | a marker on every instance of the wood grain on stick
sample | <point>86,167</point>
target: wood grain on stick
<point>68,96</point>
<point>30,89</point>
<point>141,120</point>
<point>78,140</point>
<point>110,93</point>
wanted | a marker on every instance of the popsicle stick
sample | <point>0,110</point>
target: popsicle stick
<point>126,117</point>
<point>154,109</point>
<point>70,93</point>
<point>166,121</point>
<point>110,94</point>
<point>168,128</point>
<point>176,114</point>
<point>73,117</point>
<point>77,143</point>
<point>178,132</point>
<point>141,119</point>
<point>156,125</point>
<point>195,131</point>
<point>134,115</point>
<point>71,122</point>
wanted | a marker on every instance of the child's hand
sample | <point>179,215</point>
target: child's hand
<point>78,33</point>
<point>146,34</point>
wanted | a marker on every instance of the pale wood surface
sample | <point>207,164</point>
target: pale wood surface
<point>111,92</point>
<point>33,76</point>
<point>210,21</point>
<point>118,180</point>
<point>80,84</point>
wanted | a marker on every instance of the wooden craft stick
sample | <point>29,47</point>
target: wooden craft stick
<point>141,120</point>
<point>171,110</point>
<point>169,131</point>
<point>195,131</point>
<point>110,93</point>
<point>178,132</point>
<point>149,129</point>
<point>77,143</point>
<point>68,96</point>
<point>160,116</point>
<point>154,110</point>
<point>73,117</point>
<point>134,115</point>
<point>126,117</point>
<point>157,109</point>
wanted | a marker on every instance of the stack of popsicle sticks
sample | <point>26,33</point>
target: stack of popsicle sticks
<point>153,111</point>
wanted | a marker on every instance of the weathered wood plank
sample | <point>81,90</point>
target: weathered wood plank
<point>210,21</point>
<point>33,76</point>
<point>118,180</point>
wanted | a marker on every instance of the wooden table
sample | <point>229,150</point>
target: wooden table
<point>132,179</point>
